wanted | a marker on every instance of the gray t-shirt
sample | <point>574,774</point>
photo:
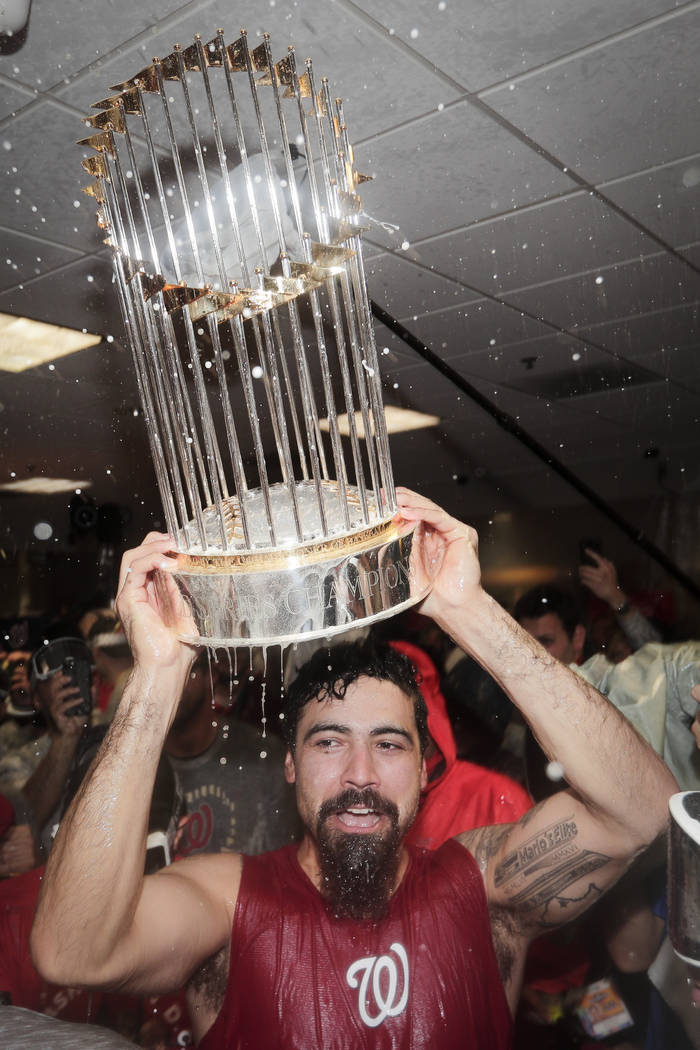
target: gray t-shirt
<point>26,1030</point>
<point>238,800</point>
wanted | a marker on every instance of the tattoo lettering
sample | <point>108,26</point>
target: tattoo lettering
<point>539,848</point>
<point>548,887</point>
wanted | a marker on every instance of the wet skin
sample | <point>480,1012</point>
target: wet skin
<point>366,742</point>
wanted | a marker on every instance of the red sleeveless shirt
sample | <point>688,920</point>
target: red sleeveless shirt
<point>426,976</point>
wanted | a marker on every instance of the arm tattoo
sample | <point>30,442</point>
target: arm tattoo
<point>484,843</point>
<point>538,872</point>
<point>547,887</point>
<point>544,848</point>
<point>534,877</point>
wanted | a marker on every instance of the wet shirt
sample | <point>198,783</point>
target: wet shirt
<point>424,977</point>
<point>236,794</point>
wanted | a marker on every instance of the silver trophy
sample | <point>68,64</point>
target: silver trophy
<point>684,876</point>
<point>253,344</point>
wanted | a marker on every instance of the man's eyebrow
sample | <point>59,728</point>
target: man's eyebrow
<point>326,727</point>
<point>339,727</point>
<point>395,730</point>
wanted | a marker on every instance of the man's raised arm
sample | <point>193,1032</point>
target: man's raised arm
<point>560,856</point>
<point>99,921</point>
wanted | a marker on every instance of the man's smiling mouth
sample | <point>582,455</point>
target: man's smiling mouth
<point>359,818</point>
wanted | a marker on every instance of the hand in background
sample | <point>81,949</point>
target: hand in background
<point>601,578</point>
<point>63,695</point>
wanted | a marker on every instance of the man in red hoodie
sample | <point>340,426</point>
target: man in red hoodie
<point>459,795</point>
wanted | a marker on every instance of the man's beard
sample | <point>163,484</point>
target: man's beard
<point>358,871</point>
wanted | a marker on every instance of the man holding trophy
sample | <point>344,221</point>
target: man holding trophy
<point>350,939</point>
<point>428,971</point>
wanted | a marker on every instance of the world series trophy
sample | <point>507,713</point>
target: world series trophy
<point>252,339</point>
<point>684,877</point>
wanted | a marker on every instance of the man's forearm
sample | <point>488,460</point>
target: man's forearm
<point>608,765</point>
<point>95,871</point>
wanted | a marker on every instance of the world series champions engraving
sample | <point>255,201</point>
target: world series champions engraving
<point>227,189</point>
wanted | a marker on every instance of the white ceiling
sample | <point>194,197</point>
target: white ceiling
<point>542,159</point>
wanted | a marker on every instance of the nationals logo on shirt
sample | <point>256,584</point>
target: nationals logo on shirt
<point>383,990</point>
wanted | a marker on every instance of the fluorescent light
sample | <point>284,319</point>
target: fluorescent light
<point>397,421</point>
<point>43,486</point>
<point>25,344</point>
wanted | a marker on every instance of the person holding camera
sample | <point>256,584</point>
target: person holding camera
<point>18,718</point>
<point>34,775</point>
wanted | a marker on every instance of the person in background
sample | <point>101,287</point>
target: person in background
<point>637,942</point>
<point>458,795</point>
<point>231,773</point>
<point>555,619</point>
<point>19,719</point>
<point>113,662</point>
<point>19,980</point>
<point>653,689</point>
<point>601,579</point>
<point>17,851</point>
<point>54,695</point>
<point>67,715</point>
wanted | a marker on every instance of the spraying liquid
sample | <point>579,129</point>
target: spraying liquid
<point>211,651</point>
<point>230,679</point>
<point>262,695</point>
<point>282,656</point>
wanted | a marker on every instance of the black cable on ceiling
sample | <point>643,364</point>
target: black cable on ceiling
<point>513,427</point>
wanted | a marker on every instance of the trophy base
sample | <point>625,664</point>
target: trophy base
<point>282,597</point>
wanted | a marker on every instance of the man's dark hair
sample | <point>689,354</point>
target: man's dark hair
<point>542,600</point>
<point>330,671</point>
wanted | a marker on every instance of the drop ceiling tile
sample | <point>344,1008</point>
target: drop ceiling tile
<point>657,282</point>
<point>623,106</point>
<point>451,169</point>
<point>647,333</point>
<point>51,207</point>
<point>457,333</point>
<point>12,98</point>
<point>479,43</point>
<point>24,258</point>
<point>678,363</point>
<point>65,37</point>
<point>529,361</point>
<point>650,412</point>
<point>395,355</point>
<point>545,242</point>
<point>406,290</point>
<point>666,199</point>
<point>692,253</point>
<point>380,84</point>
<point>78,296</point>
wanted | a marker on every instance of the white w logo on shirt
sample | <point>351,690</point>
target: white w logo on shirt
<point>380,970</point>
